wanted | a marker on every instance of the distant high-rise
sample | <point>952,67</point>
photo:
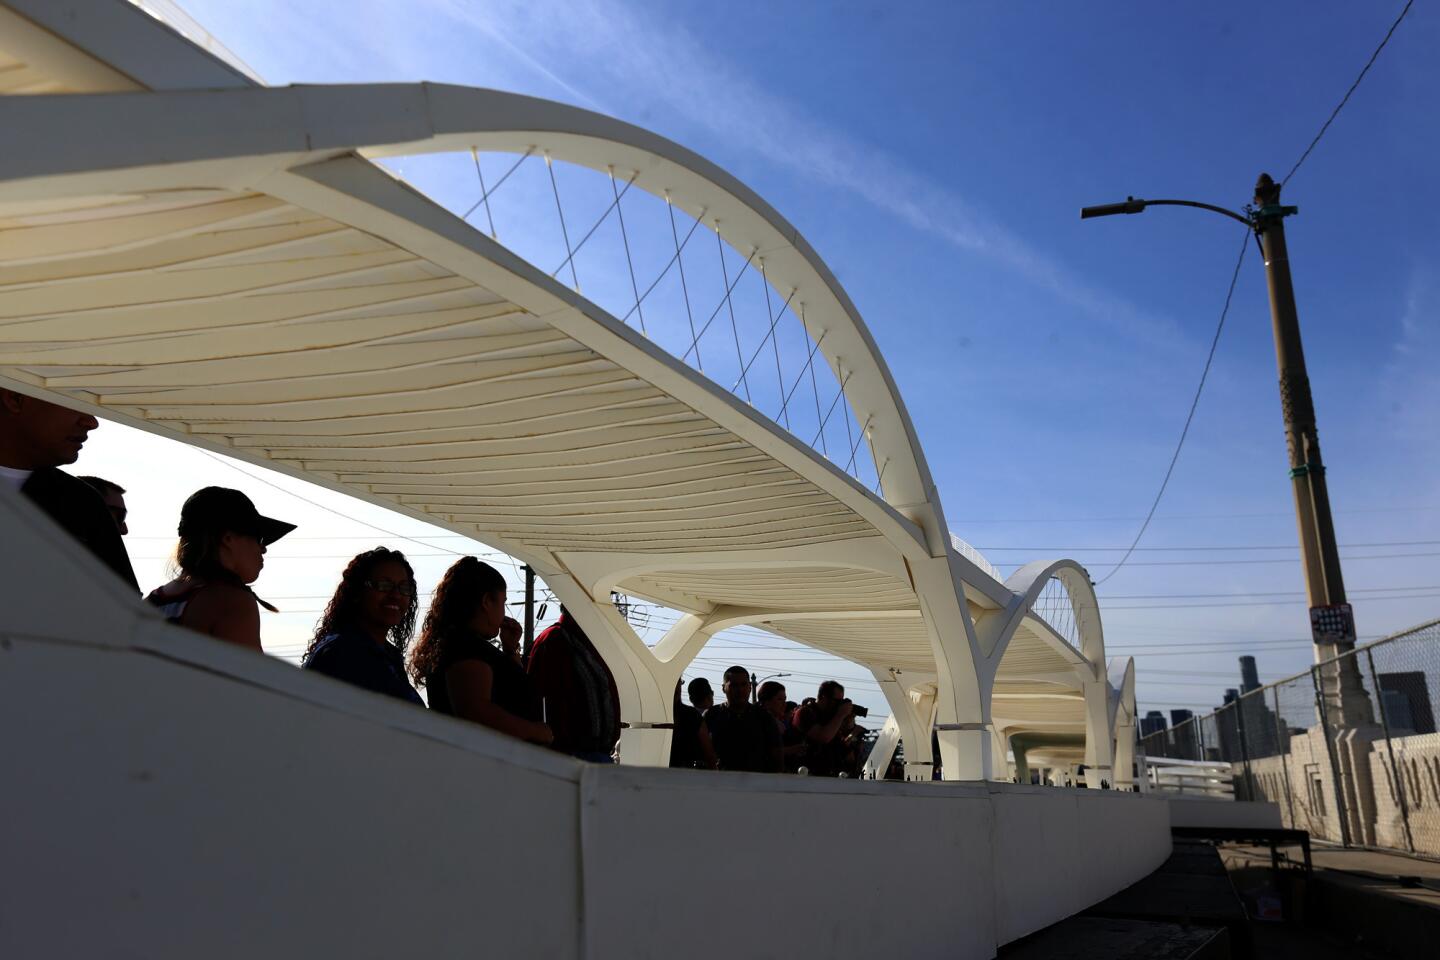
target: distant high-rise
<point>1152,723</point>
<point>1186,735</point>
<point>1249,675</point>
<point>1227,727</point>
<point>1257,721</point>
<point>1398,714</point>
<point>1406,698</point>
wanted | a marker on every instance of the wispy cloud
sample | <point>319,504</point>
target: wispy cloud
<point>1408,381</point>
<point>643,68</point>
<point>615,58</point>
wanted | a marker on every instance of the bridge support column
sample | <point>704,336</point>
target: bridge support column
<point>913,713</point>
<point>962,716</point>
<point>884,750</point>
<point>1124,754</point>
<point>999,756</point>
<point>1022,765</point>
<point>1099,736</point>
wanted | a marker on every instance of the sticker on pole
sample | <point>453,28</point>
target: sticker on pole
<point>1334,623</point>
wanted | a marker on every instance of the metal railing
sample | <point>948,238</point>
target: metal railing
<point>1349,750</point>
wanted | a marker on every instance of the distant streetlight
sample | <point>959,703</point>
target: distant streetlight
<point>1332,624</point>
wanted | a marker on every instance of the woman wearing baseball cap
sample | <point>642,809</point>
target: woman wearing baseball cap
<point>220,553</point>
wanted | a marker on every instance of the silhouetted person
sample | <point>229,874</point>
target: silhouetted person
<point>36,438</point>
<point>822,725</point>
<point>745,736</point>
<point>362,636</point>
<point>852,742</point>
<point>702,698</point>
<point>221,552</point>
<point>464,674</point>
<point>581,700</point>
<point>113,495</point>
<point>771,698</point>
<point>690,744</point>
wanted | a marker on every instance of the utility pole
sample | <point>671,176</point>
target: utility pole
<point>1344,712</point>
<point>529,611</point>
<point>1332,623</point>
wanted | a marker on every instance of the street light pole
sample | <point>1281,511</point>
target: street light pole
<point>1323,580</point>
<point>529,612</point>
<point>1332,624</point>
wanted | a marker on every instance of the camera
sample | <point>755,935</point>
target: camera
<point>858,711</point>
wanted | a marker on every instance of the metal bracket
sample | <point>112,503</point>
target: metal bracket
<point>1275,210</point>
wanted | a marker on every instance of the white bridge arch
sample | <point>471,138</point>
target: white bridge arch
<point>221,262</point>
<point>196,255</point>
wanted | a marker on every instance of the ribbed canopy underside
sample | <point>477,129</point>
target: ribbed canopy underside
<point>247,320</point>
<point>317,346</point>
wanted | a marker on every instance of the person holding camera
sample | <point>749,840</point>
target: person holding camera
<point>822,724</point>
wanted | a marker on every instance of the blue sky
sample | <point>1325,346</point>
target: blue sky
<point>936,155</point>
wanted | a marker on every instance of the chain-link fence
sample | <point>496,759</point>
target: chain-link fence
<point>1348,750</point>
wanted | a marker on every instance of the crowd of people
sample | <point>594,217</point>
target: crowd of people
<point>764,732</point>
<point>467,656</point>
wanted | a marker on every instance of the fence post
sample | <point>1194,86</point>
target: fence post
<point>1282,746</point>
<point>1397,775</point>
<point>1244,748</point>
<point>1335,786</point>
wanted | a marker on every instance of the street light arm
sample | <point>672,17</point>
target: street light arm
<point>1132,205</point>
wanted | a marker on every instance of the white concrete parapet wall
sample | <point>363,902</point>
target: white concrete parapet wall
<point>168,795</point>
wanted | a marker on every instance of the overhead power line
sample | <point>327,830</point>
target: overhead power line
<point>1254,603</point>
<point>1229,295</point>
<point>1417,508</point>
<point>1219,547</point>
<point>1149,657</point>
<point>1241,645</point>
<point>320,506</point>
<point>1275,593</point>
<point>1190,417</point>
<point>1226,563</point>
<point>1346,99</point>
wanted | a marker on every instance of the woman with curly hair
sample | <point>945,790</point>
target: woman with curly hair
<point>361,637</point>
<point>459,666</point>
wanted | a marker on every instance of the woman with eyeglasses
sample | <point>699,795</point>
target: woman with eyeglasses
<point>220,553</point>
<point>362,636</point>
<point>464,674</point>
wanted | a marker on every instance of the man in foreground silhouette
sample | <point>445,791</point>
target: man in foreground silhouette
<point>36,438</point>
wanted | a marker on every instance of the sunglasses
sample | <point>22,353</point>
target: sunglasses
<point>402,587</point>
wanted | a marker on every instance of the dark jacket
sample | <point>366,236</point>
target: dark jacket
<point>354,657</point>
<point>745,738</point>
<point>81,513</point>
<point>582,704</point>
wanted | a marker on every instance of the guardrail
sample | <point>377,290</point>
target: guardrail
<point>1349,750</point>
<point>1190,777</point>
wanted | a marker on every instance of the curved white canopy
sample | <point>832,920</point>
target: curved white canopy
<point>226,266</point>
